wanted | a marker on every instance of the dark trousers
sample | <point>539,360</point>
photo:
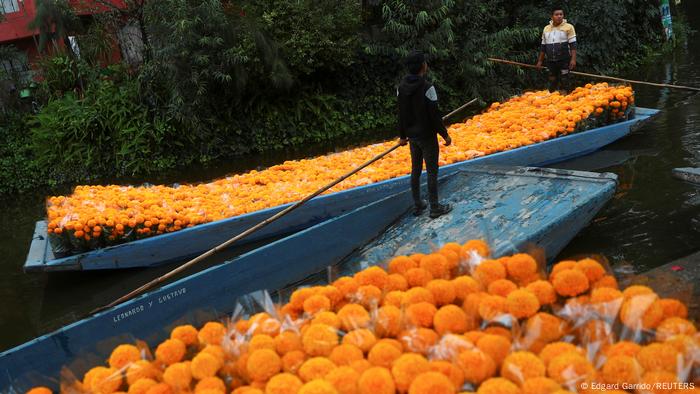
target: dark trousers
<point>428,151</point>
<point>558,75</point>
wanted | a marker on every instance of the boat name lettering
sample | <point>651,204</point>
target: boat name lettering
<point>129,313</point>
<point>171,295</point>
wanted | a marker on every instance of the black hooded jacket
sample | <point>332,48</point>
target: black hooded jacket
<point>419,117</point>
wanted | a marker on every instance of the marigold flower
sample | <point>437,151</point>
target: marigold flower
<point>522,303</point>
<point>388,321</point>
<point>292,361</point>
<point>344,379</point>
<point>210,383</point>
<point>368,296</point>
<point>170,351</point>
<point>361,337</point>
<point>216,351</point>
<point>376,380</point>
<point>39,390</point>
<point>540,385</point>
<point>345,354</point>
<point>316,368</point>
<point>658,357</point>
<point>450,346</point>
<point>637,290</point>
<point>544,291</point>
<point>360,366</point>
<point>284,383</point>
<point>430,383</point>
<point>401,265</point>
<point>495,346</point>
<point>544,327</point>
<point>346,285</point>
<point>622,370</point>
<point>383,355</point>
<point>597,332</point>
<point>421,314</point>
<point>561,266</point>
<point>316,303</point>
<point>465,285</point>
<point>124,355</point>
<point>451,319</point>
<point>593,270</point>
<point>333,294</point>
<point>418,340</point>
<point>641,312</point>
<point>498,330</point>
<point>141,369</point>
<point>396,282</point>
<point>521,266</point>
<point>212,333</point>
<point>674,326</point>
<point>140,386</point>
<point>353,316</point>
<point>622,348</point>
<point>372,276</point>
<point>186,333</point>
<point>606,281</point>
<point>473,336</point>
<point>418,294</point>
<point>570,368</point>
<point>417,257</point>
<point>449,370</point>
<point>328,318</point>
<point>664,379</point>
<point>263,364</point>
<point>570,283</point>
<point>673,308</point>
<point>492,306</point>
<point>478,246</point>
<point>261,341</point>
<point>520,366</point>
<point>320,339</point>
<point>502,287</point>
<point>437,265</point>
<point>489,271</point>
<point>406,368</point>
<point>205,365</point>
<point>443,291</point>
<point>418,277</point>
<point>472,303</point>
<point>247,390</point>
<point>160,388</point>
<point>452,259</point>
<point>394,298</point>
<point>178,376</point>
<point>684,344</point>
<point>287,341</point>
<point>318,386</point>
<point>498,386</point>
<point>476,365</point>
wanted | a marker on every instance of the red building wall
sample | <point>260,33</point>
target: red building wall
<point>14,25</point>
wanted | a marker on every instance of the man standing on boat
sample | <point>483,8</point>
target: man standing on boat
<point>419,124</point>
<point>559,47</point>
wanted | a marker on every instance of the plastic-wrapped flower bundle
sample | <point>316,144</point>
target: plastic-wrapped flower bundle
<point>481,325</point>
<point>97,216</point>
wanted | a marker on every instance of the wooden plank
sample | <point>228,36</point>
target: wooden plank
<point>689,174</point>
<point>37,249</point>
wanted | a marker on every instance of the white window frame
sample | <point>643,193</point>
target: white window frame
<point>9,6</point>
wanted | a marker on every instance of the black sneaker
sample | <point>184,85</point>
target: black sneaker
<point>419,208</point>
<point>439,210</point>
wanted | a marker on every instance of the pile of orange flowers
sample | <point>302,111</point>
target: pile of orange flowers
<point>420,325</point>
<point>98,216</point>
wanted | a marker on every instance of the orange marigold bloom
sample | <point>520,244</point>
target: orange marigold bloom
<point>261,341</point>
<point>570,282</point>
<point>451,319</point>
<point>637,290</point>
<point>476,365</point>
<point>205,365</point>
<point>288,341</point>
<point>327,318</point>
<point>344,379</point>
<point>170,351</point>
<point>544,291</point>
<point>520,366</point>
<point>320,339</point>
<point>658,357</point>
<point>346,285</point>
<point>421,314</point>
<point>401,265</point>
<point>142,369</point>
<point>473,336</point>
<point>418,340</point>
<point>522,303</point>
<point>284,383</point>
<point>360,366</point>
<point>353,316</point>
<point>418,277</point>
<point>437,265</point>
<point>593,270</point>
<point>396,282</point>
<point>622,369</point>
<point>561,266</point>
<point>606,281</point>
<point>674,308</point>
<point>368,296</point>
<point>141,386</point>
<point>540,385</point>
<point>212,333</point>
<point>452,259</point>
<point>502,287</point>
<point>247,390</point>
<point>363,338</point>
<point>492,306</point>
<point>418,294</point>
<point>498,330</point>
<point>316,303</point>
<point>374,276</point>
<point>178,376</point>
<point>124,355</point>
<point>664,379</point>
<point>521,266</point>
<point>449,370</point>
<point>641,312</point>
<point>39,390</point>
<point>622,348</point>
<point>544,327</point>
<point>210,383</point>
<point>160,388</point>
<point>489,271</point>
<point>388,321</point>
<point>471,304</point>
<point>498,386</point>
<point>383,355</point>
<point>263,364</point>
<point>394,298</point>
<point>345,354</point>
<point>478,246</point>
<point>570,368</point>
<point>318,386</point>
<point>443,291</point>
<point>376,380</point>
<point>430,383</point>
<point>495,346</point>
<point>316,368</point>
<point>465,285</point>
<point>406,368</point>
<point>674,326</point>
<point>293,360</point>
<point>186,333</point>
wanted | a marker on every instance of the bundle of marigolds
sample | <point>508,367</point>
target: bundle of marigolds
<point>422,326</point>
<point>98,216</point>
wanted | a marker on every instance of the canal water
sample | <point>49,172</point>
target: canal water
<point>653,218</point>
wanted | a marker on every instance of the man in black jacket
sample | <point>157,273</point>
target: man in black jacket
<point>419,124</point>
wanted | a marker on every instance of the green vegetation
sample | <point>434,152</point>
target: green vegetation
<point>215,79</point>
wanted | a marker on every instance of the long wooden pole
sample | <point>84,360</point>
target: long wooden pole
<point>661,85</point>
<point>258,226</point>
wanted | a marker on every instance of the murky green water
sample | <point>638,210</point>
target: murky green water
<point>652,219</point>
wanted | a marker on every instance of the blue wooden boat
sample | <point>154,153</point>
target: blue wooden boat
<point>192,241</point>
<point>514,209</point>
